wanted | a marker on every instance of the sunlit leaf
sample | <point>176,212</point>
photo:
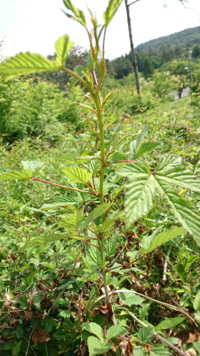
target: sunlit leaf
<point>43,240</point>
<point>24,174</point>
<point>113,5</point>
<point>77,175</point>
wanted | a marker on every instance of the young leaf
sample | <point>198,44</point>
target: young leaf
<point>43,240</point>
<point>115,331</point>
<point>169,323</point>
<point>32,165</point>
<point>134,146</point>
<point>146,147</point>
<point>161,239</point>
<point>77,175</point>
<point>111,10</point>
<point>78,14</point>
<point>24,174</point>
<point>96,347</point>
<point>100,210</point>
<point>26,63</point>
<point>183,210</point>
<point>108,224</point>
<point>145,334</point>
<point>72,222</point>
<point>94,329</point>
<point>111,246</point>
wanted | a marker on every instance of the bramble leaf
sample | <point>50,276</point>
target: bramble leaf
<point>78,14</point>
<point>24,174</point>
<point>43,240</point>
<point>111,10</point>
<point>72,222</point>
<point>77,175</point>
<point>169,323</point>
<point>96,347</point>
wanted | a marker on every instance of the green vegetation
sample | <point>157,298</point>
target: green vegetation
<point>99,206</point>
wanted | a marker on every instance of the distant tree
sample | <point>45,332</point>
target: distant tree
<point>148,68</point>
<point>161,84</point>
<point>177,51</point>
<point>196,51</point>
<point>182,78</point>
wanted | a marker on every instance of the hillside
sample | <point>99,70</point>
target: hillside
<point>178,39</point>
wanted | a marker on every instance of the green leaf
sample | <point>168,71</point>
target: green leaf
<point>24,174</point>
<point>146,147</point>
<point>133,170</point>
<point>26,63</point>
<point>139,195</point>
<point>23,302</point>
<point>115,331</point>
<point>32,165</point>
<point>134,146</point>
<point>100,210</point>
<point>159,350</point>
<point>130,298</point>
<point>17,348</point>
<point>108,224</point>
<point>161,239</point>
<point>96,347</point>
<point>145,334</point>
<point>72,222</point>
<point>168,162</point>
<point>112,244</point>
<point>78,14</point>
<point>183,210</point>
<point>94,329</point>
<point>181,177</point>
<point>139,351</point>
<point>169,323</point>
<point>196,303</point>
<point>111,10</point>
<point>43,240</point>
<point>77,175</point>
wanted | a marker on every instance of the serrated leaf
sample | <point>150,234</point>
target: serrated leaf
<point>117,156</point>
<point>196,303</point>
<point>139,197</point>
<point>169,323</point>
<point>112,7</point>
<point>96,347</point>
<point>161,239</point>
<point>145,334</point>
<point>130,298</point>
<point>139,351</point>
<point>134,169</point>
<point>26,63</point>
<point>134,146</point>
<point>43,240</point>
<point>183,210</point>
<point>79,15</point>
<point>146,147</point>
<point>57,205</point>
<point>24,174</point>
<point>168,162</point>
<point>32,165</point>
<point>159,350</point>
<point>115,331</point>
<point>72,222</point>
<point>111,246</point>
<point>100,210</point>
<point>94,329</point>
<point>77,175</point>
<point>108,224</point>
<point>181,177</point>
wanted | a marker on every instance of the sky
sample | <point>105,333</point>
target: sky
<point>35,26</point>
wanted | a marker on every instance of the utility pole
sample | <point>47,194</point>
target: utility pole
<point>132,46</point>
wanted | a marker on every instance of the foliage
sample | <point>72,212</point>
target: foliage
<point>88,226</point>
<point>180,71</point>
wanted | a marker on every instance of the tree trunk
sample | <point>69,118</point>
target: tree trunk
<point>132,48</point>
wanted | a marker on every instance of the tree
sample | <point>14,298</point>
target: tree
<point>180,71</point>
<point>196,51</point>
<point>161,84</point>
<point>148,68</point>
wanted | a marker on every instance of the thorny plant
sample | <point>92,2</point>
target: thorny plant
<point>102,180</point>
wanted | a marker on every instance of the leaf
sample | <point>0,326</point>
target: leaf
<point>79,15</point>
<point>180,176</point>
<point>72,222</point>
<point>139,351</point>
<point>32,165</point>
<point>77,175</point>
<point>130,298</point>
<point>17,348</point>
<point>112,7</point>
<point>196,303</point>
<point>43,240</point>
<point>169,323</point>
<point>168,162</point>
<point>146,147</point>
<point>115,331</point>
<point>96,348</point>
<point>40,336</point>
<point>159,350</point>
<point>134,146</point>
<point>26,63</point>
<point>133,170</point>
<point>100,210</point>
<point>139,197</point>
<point>183,210</point>
<point>161,239</point>
<point>94,329</point>
<point>108,224</point>
<point>24,174</point>
<point>111,246</point>
<point>145,334</point>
